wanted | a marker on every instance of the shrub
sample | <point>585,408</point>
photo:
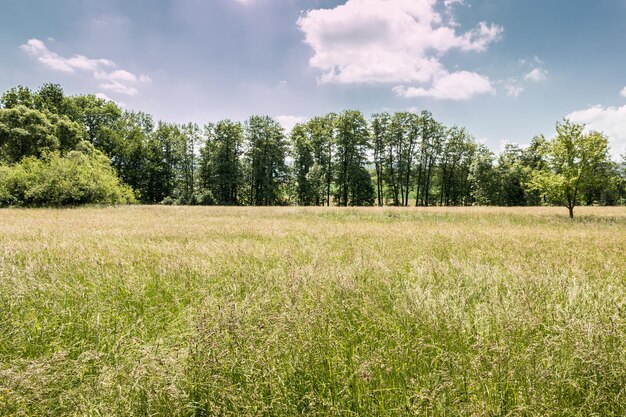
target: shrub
<point>83,176</point>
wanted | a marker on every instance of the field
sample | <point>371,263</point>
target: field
<point>173,311</point>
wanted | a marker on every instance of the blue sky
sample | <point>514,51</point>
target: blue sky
<point>505,69</point>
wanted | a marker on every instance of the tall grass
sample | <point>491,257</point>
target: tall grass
<point>171,311</point>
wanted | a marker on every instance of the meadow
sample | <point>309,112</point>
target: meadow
<point>196,311</point>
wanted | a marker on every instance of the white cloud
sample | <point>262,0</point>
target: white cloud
<point>121,76</point>
<point>38,49</point>
<point>245,2</point>
<point>534,60</point>
<point>534,72</point>
<point>450,3</point>
<point>456,86</point>
<point>512,86</point>
<point>623,92</point>
<point>118,87</point>
<point>288,122</point>
<point>103,97</point>
<point>610,120</point>
<point>537,74</point>
<point>119,80</point>
<point>107,98</point>
<point>117,75</point>
<point>513,90</point>
<point>391,41</point>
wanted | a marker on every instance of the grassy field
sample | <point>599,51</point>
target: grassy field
<point>171,311</point>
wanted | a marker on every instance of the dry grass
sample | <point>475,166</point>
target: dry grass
<point>289,311</point>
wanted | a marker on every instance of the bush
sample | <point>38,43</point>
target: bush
<point>83,176</point>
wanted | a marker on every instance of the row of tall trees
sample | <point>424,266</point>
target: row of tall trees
<point>342,159</point>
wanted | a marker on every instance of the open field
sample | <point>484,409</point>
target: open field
<point>164,311</point>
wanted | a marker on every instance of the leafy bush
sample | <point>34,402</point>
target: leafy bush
<point>82,176</point>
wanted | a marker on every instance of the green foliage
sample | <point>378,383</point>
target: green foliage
<point>458,151</point>
<point>321,131</point>
<point>25,132</point>
<point>361,188</point>
<point>399,144</point>
<point>379,128</point>
<point>18,96</point>
<point>324,161</point>
<point>574,162</point>
<point>265,160</point>
<point>306,172</point>
<point>351,141</point>
<point>483,177</point>
<point>83,176</point>
<point>100,118</point>
<point>220,162</point>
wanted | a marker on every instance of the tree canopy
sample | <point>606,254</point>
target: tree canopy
<point>574,162</point>
<point>341,159</point>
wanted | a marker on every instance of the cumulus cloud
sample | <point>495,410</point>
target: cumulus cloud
<point>288,121</point>
<point>394,41</point>
<point>118,80</point>
<point>610,120</point>
<point>537,74</point>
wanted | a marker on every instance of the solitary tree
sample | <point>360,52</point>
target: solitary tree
<point>572,163</point>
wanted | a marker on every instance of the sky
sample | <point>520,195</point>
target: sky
<point>506,70</point>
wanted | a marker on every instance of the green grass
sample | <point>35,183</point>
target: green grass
<point>170,311</point>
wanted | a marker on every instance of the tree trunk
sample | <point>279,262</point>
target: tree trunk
<point>571,212</point>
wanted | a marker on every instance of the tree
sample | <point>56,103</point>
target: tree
<point>192,142</point>
<point>306,180</point>
<point>220,162</point>
<point>129,148</point>
<point>322,131</point>
<point>17,96</point>
<point>163,156</point>
<point>51,97</point>
<point>379,127</point>
<point>361,188</point>
<point>401,142</point>
<point>430,148</point>
<point>573,161</point>
<point>457,154</point>
<point>483,177</point>
<point>25,132</point>
<point>99,117</point>
<point>352,143</point>
<point>512,177</point>
<point>266,149</point>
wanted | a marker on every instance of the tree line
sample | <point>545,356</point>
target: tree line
<point>342,159</point>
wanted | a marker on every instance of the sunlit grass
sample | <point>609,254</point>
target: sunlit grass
<point>293,311</point>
